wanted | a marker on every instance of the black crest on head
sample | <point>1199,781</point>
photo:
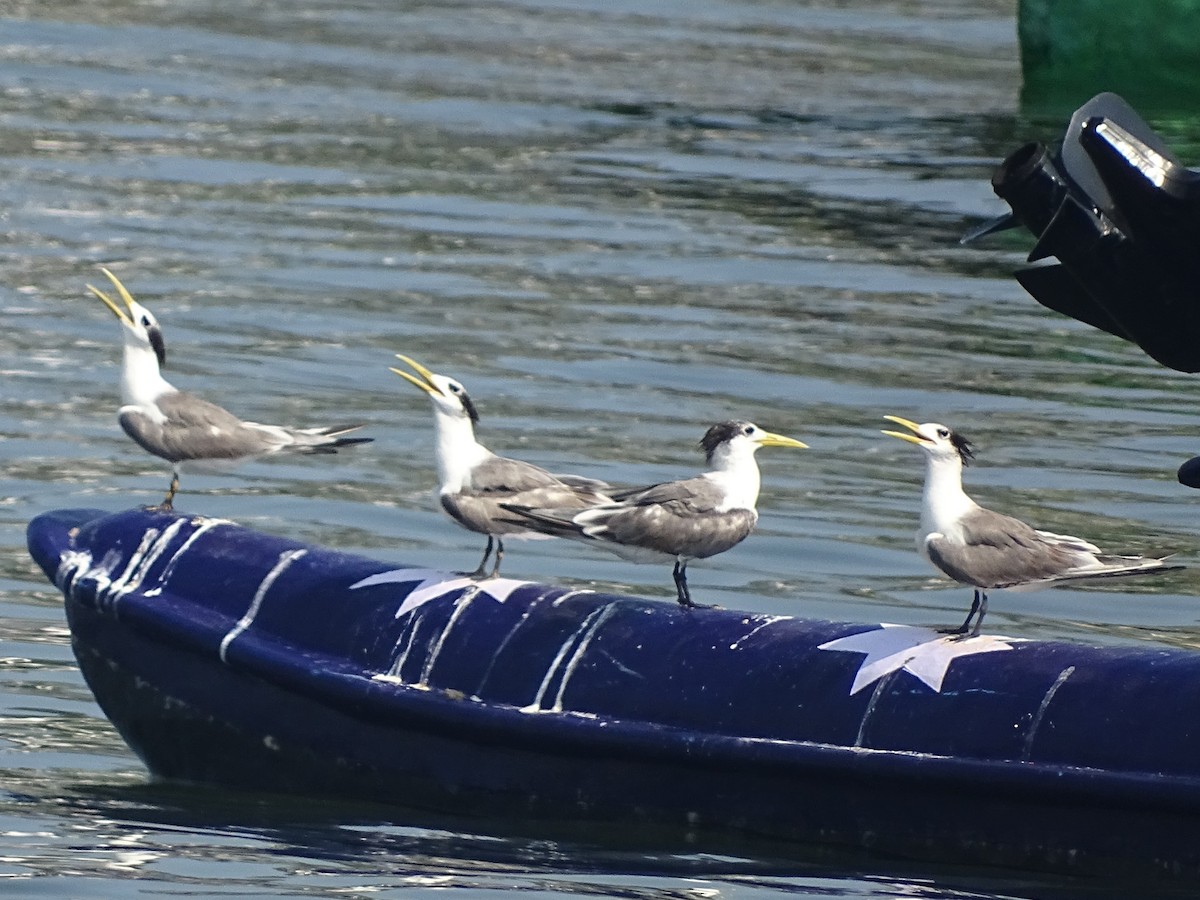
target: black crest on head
<point>719,434</point>
<point>157,342</point>
<point>472,413</point>
<point>965,451</point>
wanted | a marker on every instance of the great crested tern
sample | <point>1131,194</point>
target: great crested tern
<point>985,549</point>
<point>677,520</point>
<point>183,428</point>
<point>474,484</point>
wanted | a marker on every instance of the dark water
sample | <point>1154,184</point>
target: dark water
<point>616,223</point>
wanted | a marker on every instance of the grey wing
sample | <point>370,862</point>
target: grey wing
<point>512,482</point>
<point>580,483</point>
<point>675,529</point>
<point>194,429</point>
<point>474,513</point>
<point>498,475</point>
<point>525,484</point>
<point>679,518</point>
<point>676,518</point>
<point>998,551</point>
<point>690,496</point>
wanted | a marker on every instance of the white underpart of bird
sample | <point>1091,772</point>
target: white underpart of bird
<point>181,427</point>
<point>474,483</point>
<point>693,518</point>
<point>985,549</point>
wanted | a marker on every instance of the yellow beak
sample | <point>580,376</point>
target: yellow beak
<point>108,301</point>
<point>905,436</point>
<point>426,385</point>
<point>770,439</point>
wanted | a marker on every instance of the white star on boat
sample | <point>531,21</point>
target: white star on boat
<point>921,652</point>
<point>430,584</point>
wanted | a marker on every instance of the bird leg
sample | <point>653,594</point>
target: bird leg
<point>499,557</point>
<point>168,503</point>
<point>481,571</point>
<point>681,585</point>
<point>982,613</point>
<point>977,604</point>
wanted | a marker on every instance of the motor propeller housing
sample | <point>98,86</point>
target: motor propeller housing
<point>1117,222</point>
<point>1120,218</point>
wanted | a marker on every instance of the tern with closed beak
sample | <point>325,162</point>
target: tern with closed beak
<point>474,484</point>
<point>677,520</point>
<point>985,549</point>
<point>182,428</point>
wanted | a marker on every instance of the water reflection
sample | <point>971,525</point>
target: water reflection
<point>112,834</point>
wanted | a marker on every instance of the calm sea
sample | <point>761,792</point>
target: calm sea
<point>616,223</point>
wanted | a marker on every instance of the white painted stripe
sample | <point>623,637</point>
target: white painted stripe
<point>285,560</point>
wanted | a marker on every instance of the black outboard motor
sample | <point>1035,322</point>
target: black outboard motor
<point>1122,217</point>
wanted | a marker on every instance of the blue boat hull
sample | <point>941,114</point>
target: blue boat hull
<point>227,656</point>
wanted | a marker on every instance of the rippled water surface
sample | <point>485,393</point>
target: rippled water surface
<point>616,223</point>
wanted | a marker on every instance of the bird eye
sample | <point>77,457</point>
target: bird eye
<point>145,321</point>
<point>749,430</point>
<point>943,432</point>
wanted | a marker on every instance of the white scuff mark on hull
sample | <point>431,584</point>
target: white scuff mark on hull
<point>460,606</point>
<point>767,620</point>
<point>567,595</point>
<point>204,526</point>
<point>285,559</point>
<point>71,565</point>
<point>567,645</point>
<point>881,687</point>
<point>115,586</point>
<point>1036,722</point>
<point>408,638</point>
<point>388,678</point>
<point>77,566</point>
<point>620,666</point>
<point>507,639</point>
<point>135,574</point>
<point>580,649</point>
<point>411,632</point>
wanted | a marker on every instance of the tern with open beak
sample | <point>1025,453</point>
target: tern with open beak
<point>182,428</point>
<point>677,520</point>
<point>474,483</point>
<point>985,549</point>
